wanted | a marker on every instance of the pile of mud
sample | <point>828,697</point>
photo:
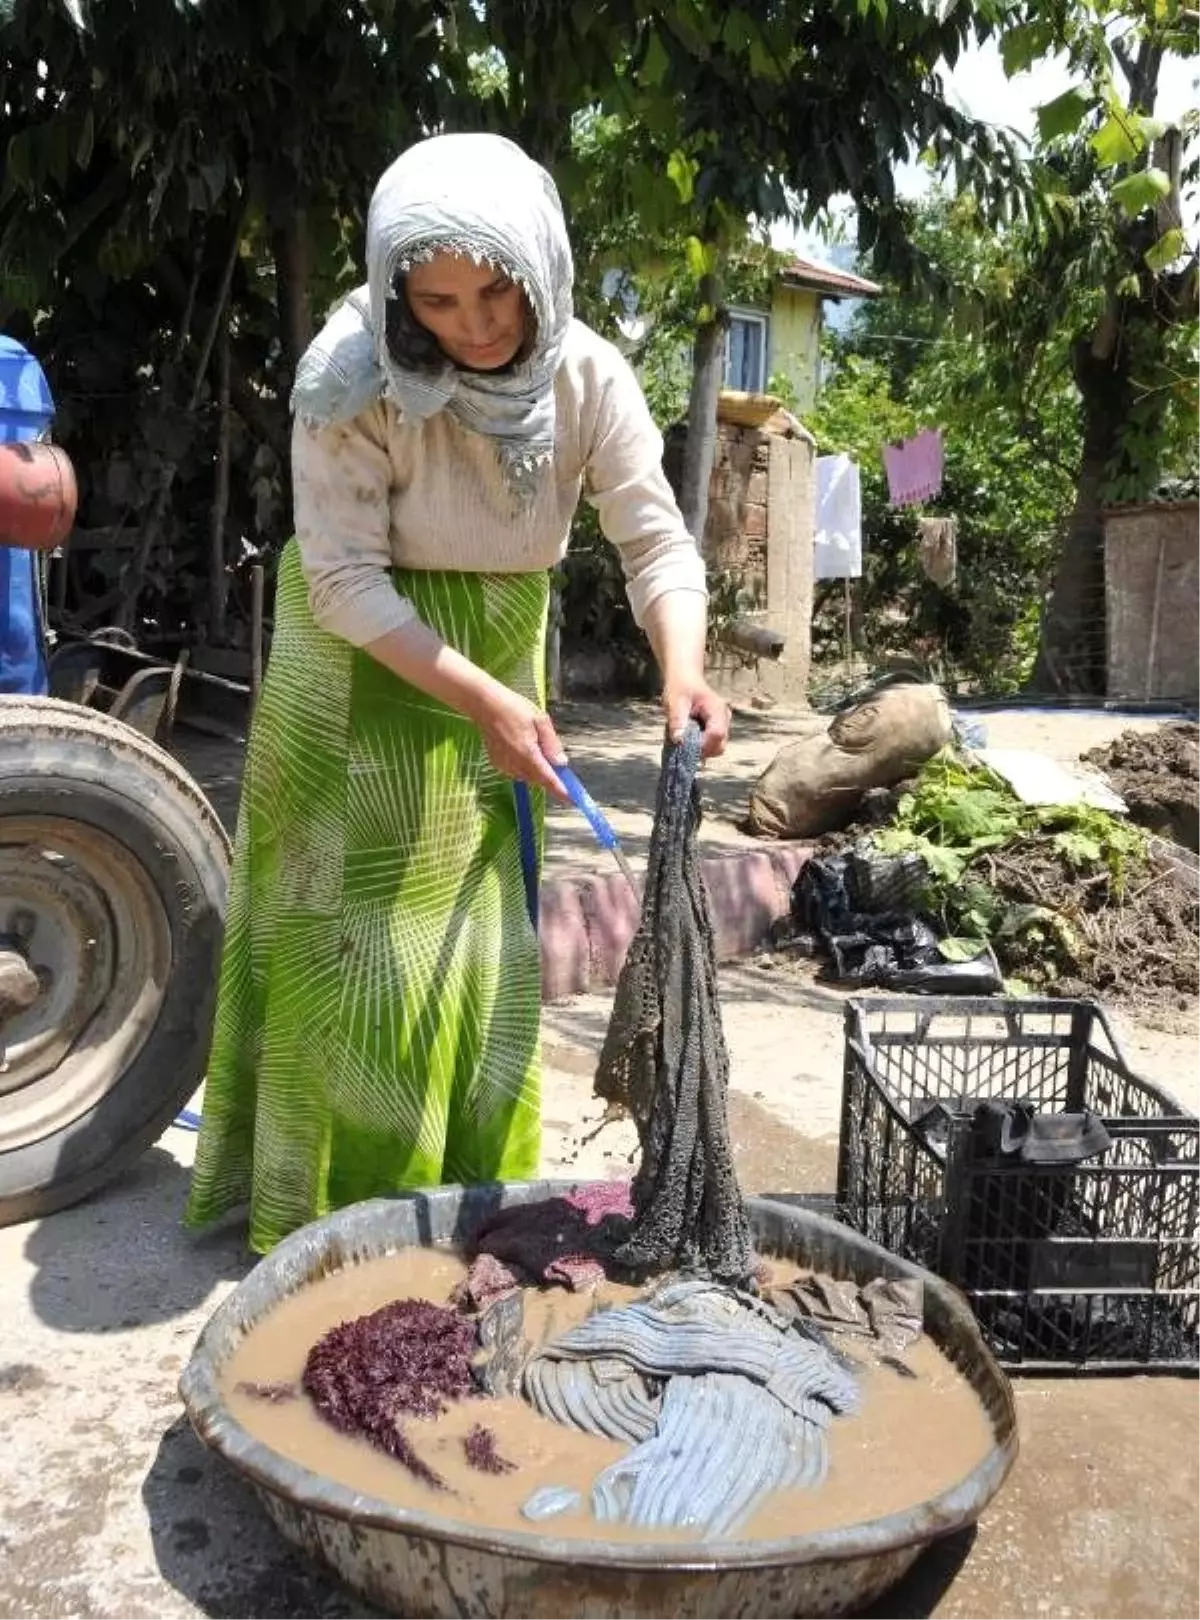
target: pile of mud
<point>1066,928</point>
<point>1136,945</point>
<point>1157,773</point>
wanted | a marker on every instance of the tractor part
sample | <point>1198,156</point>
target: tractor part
<point>113,870</point>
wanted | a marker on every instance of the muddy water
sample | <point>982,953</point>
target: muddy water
<point>912,1437</point>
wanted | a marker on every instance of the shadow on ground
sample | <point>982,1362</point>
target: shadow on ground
<point>768,1153</point>
<point>122,1259</point>
<point>627,779</point>
<point>927,1582</point>
<point>216,763</point>
<point>214,1543</point>
<point>782,981</point>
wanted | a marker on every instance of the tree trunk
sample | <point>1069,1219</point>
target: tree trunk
<point>293,283</point>
<point>1072,655</point>
<point>701,447</point>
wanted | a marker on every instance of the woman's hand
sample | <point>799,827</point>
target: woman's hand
<point>520,739</point>
<point>694,699</point>
<point>675,623</point>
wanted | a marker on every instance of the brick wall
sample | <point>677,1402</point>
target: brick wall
<point>736,535</point>
<point>761,520</point>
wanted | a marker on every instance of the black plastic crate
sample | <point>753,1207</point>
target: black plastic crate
<point>1095,1264</point>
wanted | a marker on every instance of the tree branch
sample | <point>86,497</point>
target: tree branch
<point>1128,67</point>
<point>1143,86</point>
<point>1041,444</point>
<point>267,424</point>
<point>254,409</point>
<point>218,310</point>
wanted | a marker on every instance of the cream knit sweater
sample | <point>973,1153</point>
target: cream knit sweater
<point>376,493</point>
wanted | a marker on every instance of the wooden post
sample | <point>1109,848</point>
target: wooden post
<point>846,623</point>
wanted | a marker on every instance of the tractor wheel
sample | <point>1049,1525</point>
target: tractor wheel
<point>113,868</point>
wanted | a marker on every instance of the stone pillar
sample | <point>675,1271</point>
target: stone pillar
<point>791,524</point>
<point>759,540</point>
<point>735,535</point>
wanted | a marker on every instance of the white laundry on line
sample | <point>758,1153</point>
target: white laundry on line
<point>837,544</point>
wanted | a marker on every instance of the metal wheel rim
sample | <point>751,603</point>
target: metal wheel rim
<point>89,916</point>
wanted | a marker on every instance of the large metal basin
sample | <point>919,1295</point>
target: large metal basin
<point>415,1563</point>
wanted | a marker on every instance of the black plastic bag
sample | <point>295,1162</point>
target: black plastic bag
<point>866,911</point>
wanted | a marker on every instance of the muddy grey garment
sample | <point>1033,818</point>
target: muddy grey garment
<point>664,1058</point>
<point>722,1446</point>
<point>691,1327</point>
<point>723,1403</point>
<point>886,1315</point>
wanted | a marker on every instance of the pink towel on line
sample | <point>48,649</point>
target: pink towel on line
<point>914,468</point>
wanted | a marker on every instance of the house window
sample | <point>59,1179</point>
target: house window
<point>746,351</point>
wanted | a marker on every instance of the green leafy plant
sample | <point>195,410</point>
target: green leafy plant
<point>964,821</point>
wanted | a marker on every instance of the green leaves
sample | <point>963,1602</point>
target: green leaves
<point>945,866</point>
<point>1024,45</point>
<point>697,259</point>
<point>682,170</point>
<point>1170,246</point>
<point>1063,116</point>
<point>968,826</point>
<point>1080,848</point>
<point>961,804</point>
<point>1140,190</point>
<point>655,64</point>
<point>1118,140</point>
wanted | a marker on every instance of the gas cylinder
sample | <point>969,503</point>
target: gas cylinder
<point>38,495</point>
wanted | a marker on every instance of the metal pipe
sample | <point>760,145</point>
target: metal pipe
<point>756,639</point>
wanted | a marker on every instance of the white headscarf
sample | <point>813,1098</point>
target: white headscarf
<point>478,196</point>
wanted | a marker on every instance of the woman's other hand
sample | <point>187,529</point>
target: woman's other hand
<point>676,625</point>
<point>695,700</point>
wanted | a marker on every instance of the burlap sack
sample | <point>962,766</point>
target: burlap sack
<point>814,785</point>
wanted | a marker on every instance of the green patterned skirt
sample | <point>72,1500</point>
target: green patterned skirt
<point>378,1019</point>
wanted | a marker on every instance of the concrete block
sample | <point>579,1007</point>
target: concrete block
<point>563,938</point>
<point>610,909</point>
<point>743,896</point>
<point>585,926</point>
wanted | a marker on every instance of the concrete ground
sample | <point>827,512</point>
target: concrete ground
<point>109,1506</point>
